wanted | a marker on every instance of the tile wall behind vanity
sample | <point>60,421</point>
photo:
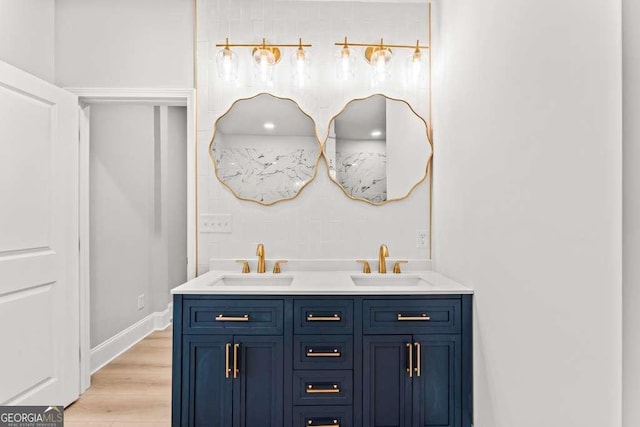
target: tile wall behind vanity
<point>322,223</point>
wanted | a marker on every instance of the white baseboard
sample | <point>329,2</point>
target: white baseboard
<point>105,352</point>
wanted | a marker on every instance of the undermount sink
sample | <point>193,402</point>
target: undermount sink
<point>387,280</point>
<point>254,280</point>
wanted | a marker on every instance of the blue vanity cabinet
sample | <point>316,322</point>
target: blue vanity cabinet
<point>413,364</point>
<point>207,392</point>
<point>324,359</point>
<point>386,386</point>
<point>342,361</point>
<point>231,366</point>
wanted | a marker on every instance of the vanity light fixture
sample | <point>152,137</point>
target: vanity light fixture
<point>265,57</point>
<point>379,57</point>
<point>414,66</point>
<point>345,62</point>
<point>300,65</point>
<point>227,63</point>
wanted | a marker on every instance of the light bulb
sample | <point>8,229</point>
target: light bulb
<point>264,60</point>
<point>345,64</point>
<point>414,67</point>
<point>300,67</point>
<point>264,63</point>
<point>227,63</point>
<point>379,66</point>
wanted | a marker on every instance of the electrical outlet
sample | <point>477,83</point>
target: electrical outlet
<point>422,238</point>
<point>140,302</point>
<point>216,223</point>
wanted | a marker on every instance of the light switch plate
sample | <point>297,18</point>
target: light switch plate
<point>216,223</point>
<point>422,238</point>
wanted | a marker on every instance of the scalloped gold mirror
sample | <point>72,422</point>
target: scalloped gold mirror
<point>377,149</point>
<point>265,149</point>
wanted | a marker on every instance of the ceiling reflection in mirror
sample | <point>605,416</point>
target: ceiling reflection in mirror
<point>265,149</point>
<point>377,149</point>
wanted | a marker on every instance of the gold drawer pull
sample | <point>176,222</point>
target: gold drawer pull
<point>223,318</point>
<point>418,359</point>
<point>335,353</point>
<point>311,390</point>
<point>227,347</point>
<point>236,371</point>
<point>422,317</point>
<point>410,368</point>
<point>335,424</point>
<point>335,318</point>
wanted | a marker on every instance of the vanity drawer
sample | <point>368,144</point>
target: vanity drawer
<point>323,352</point>
<point>322,416</point>
<point>322,388</point>
<point>248,317</point>
<point>398,316</point>
<point>318,316</point>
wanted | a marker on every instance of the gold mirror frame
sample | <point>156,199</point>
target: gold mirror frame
<point>429,158</point>
<point>215,166</point>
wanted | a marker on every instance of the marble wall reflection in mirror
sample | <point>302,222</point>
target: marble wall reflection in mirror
<point>265,149</point>
<point>377,149</point>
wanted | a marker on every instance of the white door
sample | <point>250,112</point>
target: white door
<point>39,350</point>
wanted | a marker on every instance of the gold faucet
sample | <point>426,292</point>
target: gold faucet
<point>382,262</point>
<point>260,253</point>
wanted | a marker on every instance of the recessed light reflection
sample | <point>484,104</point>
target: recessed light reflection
<point>269,125</point>
<point>376,133</point>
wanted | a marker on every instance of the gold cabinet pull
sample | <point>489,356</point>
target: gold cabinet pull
<point>396,266</point>
<point>333,389</point>
<point>227,347</point>
<point>418,359</point>
<point>410,368</point>
<point>335,424</point>
<point>335,353</point>
<point>334,318</point>
<point>422,317</point>
<point>245,265</point>
<point>236,371</point>
<point>223,318</point>
<point>366,268</point>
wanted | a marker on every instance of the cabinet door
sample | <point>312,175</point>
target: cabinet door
<point>437,381</point>
<point>258,390</point>
<point>386,385</point>
<point>207,392</point>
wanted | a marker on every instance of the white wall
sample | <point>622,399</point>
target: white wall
<point>124,43</point>
<point>631,215</point>
<point>137,212</point>
<point>121,216</point>
<point>177,195</point>
<point>527,202</point>
<point>27,41</point>
<point>322,222</point>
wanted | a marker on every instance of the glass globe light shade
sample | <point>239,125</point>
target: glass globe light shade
<point>227,64</point>
<point>345,64</point>
<point>300,67</point>
<point>380,61</point>
<point>264,60</point>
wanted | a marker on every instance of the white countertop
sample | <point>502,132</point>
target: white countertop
<point>310,282</point>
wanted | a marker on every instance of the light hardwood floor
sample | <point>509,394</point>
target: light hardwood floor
<point>133,390</point>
